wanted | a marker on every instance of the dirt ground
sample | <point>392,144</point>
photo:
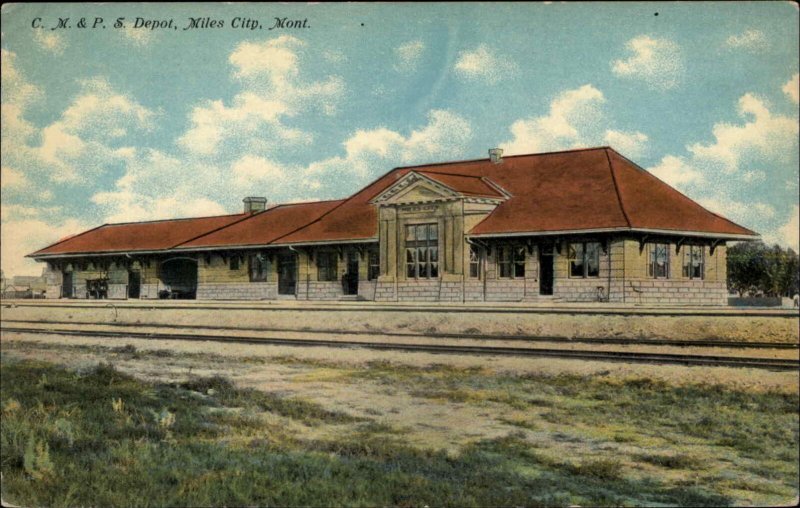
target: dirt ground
<point>328,385</point>
<point>372,385</point>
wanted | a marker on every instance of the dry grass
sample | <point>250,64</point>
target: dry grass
<point>572,432</point>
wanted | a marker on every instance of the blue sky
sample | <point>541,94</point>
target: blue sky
<point>120,124</point>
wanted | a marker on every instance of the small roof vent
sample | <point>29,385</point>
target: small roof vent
<point>496,155</point>
<point>254,204</point>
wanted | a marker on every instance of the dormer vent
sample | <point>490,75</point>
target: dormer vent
<point>254,204</point>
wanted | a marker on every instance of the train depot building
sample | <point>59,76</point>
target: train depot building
<point>574,226</point>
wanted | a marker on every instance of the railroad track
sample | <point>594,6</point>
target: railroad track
<point>436,335</point>
<point>620,356</point>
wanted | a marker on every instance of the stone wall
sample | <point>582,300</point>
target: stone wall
<point>418,290</point>
<point>320,290</point>
<point>676,292</point>
<point>366,289</point>
<point>237,291</point>
<point>385,290</point>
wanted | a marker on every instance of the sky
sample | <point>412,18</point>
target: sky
<point>106,123</point>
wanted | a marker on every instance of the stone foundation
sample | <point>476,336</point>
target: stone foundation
<point>366,289</point>
<point>418,290</point>
<point>505,290</point>
<point>676,292</point>
<point>384,291</point>
<point>237,291</point>
<point>320,290</point>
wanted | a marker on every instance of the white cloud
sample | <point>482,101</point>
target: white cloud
<point>736,210</point>
<point>630,144</point>
<point>726,174</point>
<point>334,56</point>
<point>754,176</point>
<point>275,59</point>
<point>137,37</point>
<point>572,113</point>
<point>676,172</point>
<point>30,234</point>
<point>407,55</point>
<point>141,193</point>
<point>80,143</point>
<point>50,41</point>
<point>763,135</point>
<point>762,138</point>
<point>272,93</point>
<point>370,152</point>
<point>576,119</point>
<point>482,63</point>
<point>657,62</point>
<point>256,172</point>
<point>16,89</point>
<point>10,178</point>
<point>792,88</point>
<point>750,40</point>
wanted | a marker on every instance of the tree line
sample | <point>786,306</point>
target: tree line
<point>758,269</point>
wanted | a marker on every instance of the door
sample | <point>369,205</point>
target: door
<point>546,269</point>
<point>66,286</point>
<point>350,279</point>
<point>287,274</point>
<point>134,284</point>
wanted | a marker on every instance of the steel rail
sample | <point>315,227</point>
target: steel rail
<point>654,358</point>
<point>441,335</point>
<point>332,307</point>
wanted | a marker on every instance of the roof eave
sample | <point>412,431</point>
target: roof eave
<point>671,232</point>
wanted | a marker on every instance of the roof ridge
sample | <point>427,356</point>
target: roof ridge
<point>446,163</point>
<point>449,174</point>
<point>651,175</point>
<point>616,187</point>
<point>306,202</point>
<point>170,220</point>
<point>343,201</point>
<point>246,217</point>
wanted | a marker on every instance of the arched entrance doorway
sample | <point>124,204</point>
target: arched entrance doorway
<point>179,277</point>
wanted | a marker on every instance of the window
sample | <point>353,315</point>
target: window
<point>326,266</point>
<point>234,263</point>
<point>422,251</point>
<point>511,261</point>
<point>374,266</point>
<point>693,261</point>
<point>474,262</point>
<point>584,259</point>
<point>658,264</point>
<point>259,267</point>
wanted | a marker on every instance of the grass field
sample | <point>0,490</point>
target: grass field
<point>90,434</point>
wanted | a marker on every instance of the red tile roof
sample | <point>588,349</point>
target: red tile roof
<point>587,189</point>
<point>265,227</point>
<point>139,236</point>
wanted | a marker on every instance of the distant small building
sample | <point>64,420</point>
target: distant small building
<point>573,226</point>
<point>24,286</point>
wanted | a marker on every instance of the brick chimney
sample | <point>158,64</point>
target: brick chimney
<point>254,204</point>
<point>496,155</point>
